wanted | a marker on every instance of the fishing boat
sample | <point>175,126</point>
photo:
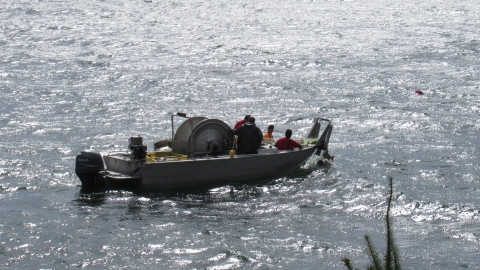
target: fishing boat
<point>200,152</point>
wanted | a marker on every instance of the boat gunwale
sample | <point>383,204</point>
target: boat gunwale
<point>176,159</point>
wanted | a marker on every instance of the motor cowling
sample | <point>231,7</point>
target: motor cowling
<point>139,150</point>
<point>88,167</point>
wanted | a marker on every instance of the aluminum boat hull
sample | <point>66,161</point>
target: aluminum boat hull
<point>206,170</point>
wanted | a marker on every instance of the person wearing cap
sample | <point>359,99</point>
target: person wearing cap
<point>241,122</point>
<point>249,137</point>
<point>237,125</point>
<point>285,143</point>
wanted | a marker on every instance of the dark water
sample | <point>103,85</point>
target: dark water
<point>80,75</point>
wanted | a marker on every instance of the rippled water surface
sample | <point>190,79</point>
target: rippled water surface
<point>81,74</point>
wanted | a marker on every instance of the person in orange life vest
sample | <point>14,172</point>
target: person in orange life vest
<point>269,133</point>
<point>241,122</point>
<point>268,136</point>
<point>285,143</point>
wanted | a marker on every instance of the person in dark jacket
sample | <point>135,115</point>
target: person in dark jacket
<point>241,122</point>
<point>249,137</point>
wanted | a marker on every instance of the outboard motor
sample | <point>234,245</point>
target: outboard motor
<point>139,150</point>
<point>88,167</point>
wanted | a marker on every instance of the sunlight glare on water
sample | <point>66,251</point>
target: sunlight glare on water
<point>80,75</point>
